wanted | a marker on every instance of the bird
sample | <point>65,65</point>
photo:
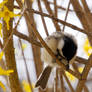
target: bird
<point>63,45</point>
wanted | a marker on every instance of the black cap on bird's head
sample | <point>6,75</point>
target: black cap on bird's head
<point>69,48</point>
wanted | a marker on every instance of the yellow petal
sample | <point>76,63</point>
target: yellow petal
<point>2,3</point>
<point>87,48</point>
<point>24,46</point>
<point>1,55</point>
<point>7,15</point>
<point>70,76</point>
<point>26,86</point>
<point>5,72</point>
<point>80,69</point>
<point>0,29</point>
<point>2,86</point>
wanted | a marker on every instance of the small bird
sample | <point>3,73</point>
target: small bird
<point>62,45</point>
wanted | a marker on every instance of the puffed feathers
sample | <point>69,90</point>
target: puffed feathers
<point>64,42</point>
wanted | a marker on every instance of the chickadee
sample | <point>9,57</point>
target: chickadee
<point>63,45</point>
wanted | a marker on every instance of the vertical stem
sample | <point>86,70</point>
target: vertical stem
<point>66,14</point>
<point>62,82</point>
<point>9,53</point>
<point>51,13</point>
<point>25,62</point>
<point>43,20</point>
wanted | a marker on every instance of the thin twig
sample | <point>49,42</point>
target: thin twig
<point>30,40</point>
<point>81,60</point>
<point>84,19</point>
<point>84,75</point>
<point>43,20</point>
<point>62,82</point>
<point>47,5</point>
<point>60,7</point>
<point>29,81</point>
<point>66,15</point>
<point>68,82</point>
<point>61,21</point>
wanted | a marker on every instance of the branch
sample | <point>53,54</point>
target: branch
<point>47,5</point>
<point>66,14</point>
<point>60,7</point>
<point>83,18</point>
<point>68,82</point>
<point>81,60</point>
<point>30,40</point>
<point>84,75</point>
<point>58,20</point>
<point>43,20</point>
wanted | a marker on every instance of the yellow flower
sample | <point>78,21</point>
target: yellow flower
<point>2,86</point>
<point>26,86</point>
<point>2,3</point>
<point>6,14</point>
<point>87,47</point>
<point>0,29</point>
<point>24,46</point>
<point>70,76</point>
<point>80,69</point>
<point>5,72</point>
<point>1,55</point>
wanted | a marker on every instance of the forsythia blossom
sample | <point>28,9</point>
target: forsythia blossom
<point>2,86</point>
<point>5,72</point>
<point>0,30</point>
<point>6,14</point>
<point>87,47</point>
<point>26,86</point>
<point>1,55</point>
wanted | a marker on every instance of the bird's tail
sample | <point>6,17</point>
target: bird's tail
<point>43,78</point>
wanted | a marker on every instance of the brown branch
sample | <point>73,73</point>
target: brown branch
<point>81,60</point>
<point>60,7</point>
<point>61,21</point>
<point>86,89</point>
<point>25,62</point>
<point>56,81</point>
<point>47,5</point>
<point>61,81</point>
<point>76,69</point>
<point>36,50</point>
<point>10,36</point>
<point>44,24</point>
<point>1,45</point>
<point>66,15</point>
<point>83,18</point>
<point>55,8</point>
<point>84,75</point>
<point>87,10</point>
<point>68,82</point>
<point>16,7</point>
<point>24,37</point>
<point>9,52</point>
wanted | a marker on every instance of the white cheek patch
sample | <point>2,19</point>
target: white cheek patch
<point>60,46</point>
